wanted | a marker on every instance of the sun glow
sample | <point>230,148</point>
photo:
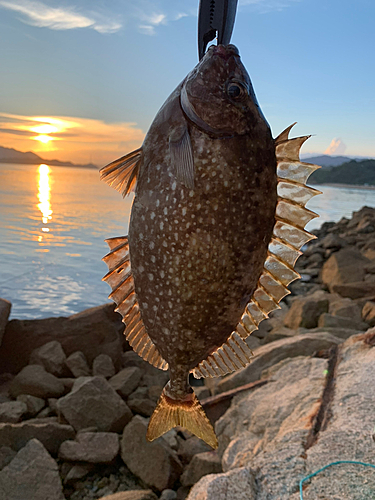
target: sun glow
<point>44,194</point>
<point>43,138</point>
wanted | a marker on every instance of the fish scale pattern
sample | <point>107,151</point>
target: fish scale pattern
<point>284,249</point>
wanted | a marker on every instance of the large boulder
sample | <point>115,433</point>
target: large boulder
<point>305,344</point>
<point>346,266</point>
<point>155,463</point>
<point>51,356</point>
<point>237,484</point>
<point>34,380</point>
<point>93,331</point>
<point>50,434</point>
<point>92,447</point>
<point>32,474</point>
<point>94,403</point>
<point>5,307</point>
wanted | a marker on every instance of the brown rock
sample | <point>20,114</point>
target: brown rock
<point>132,495</point>
<point>346,266</point>
<point>355,290</point>
<point>51,356</point>
<point>125,381</point>
<point>305,311</point>
<point>78,471</point>
<point>5,307</point>
<point>190,447</point>
<point>51,435</point>
<point>329,321</point>
<point>93,331</point>
<point>368,313</point>
<point>103,366</point>
<point>12,411</point>
<point>93,402</point>
<point>34,380</point>
<point>77,364</point>
<point>201,465</point>
<point>154,463</point>
<point>32,475</point>
<point>92,447</point>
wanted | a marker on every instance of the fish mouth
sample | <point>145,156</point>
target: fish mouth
<point>224,51</point>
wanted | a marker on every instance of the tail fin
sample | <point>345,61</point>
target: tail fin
<point>188,414</point>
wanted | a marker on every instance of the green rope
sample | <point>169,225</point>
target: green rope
<point>326,467</point>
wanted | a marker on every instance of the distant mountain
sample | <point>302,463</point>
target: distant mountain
<point>327,160</point>
<point>354,172</point>
<point>10,155</point>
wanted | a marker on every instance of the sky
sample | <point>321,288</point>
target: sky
<point>82,80</point>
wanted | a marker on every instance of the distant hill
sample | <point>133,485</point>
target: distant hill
<point>10,155</point>
<point>359,173</point>
<point>329,161</point>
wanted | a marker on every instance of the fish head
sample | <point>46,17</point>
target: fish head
<point>218,95</point>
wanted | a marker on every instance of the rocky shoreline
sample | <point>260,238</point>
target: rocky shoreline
<point>75,399</point>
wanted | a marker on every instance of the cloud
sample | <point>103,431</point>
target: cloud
<point>80,140</point>
<point>337,147</point>
<point>150,21</point>
<point>58,18</point>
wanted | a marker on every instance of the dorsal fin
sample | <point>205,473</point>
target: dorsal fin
<point>283,250</point>
<point>121,281</point>
<point>122,174</point>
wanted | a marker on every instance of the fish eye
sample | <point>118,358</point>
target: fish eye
<point>236,90</point>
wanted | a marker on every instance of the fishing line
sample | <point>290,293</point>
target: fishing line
<point>326,467</point>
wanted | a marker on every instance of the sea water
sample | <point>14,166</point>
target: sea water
<point>53,222</point>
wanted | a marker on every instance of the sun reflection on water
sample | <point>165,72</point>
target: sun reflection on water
<point>44,195</point>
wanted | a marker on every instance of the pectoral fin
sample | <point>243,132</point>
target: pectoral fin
<point>182,156</point>
<point>122,174</point>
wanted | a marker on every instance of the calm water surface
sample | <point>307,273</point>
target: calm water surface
<point>53,222</point>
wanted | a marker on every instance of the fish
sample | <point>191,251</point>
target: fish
<point>217,224</point>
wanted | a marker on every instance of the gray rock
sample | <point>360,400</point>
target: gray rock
<point>125,381</point>
<point>12,412</point>
<point>368,313</point>
<point>330,321</point>
<point>5,307</point>
<point>305,311</point>
<point>33,404</point>
<point>237,484</point>
<point>270,354</point>
<point>345,266</point>
<point>93,402</point>
<point>332,241</point>
<point>51,435</point>
<point>92,447</point>
<point>31,475</point>
<point>103,366</point>
<point>155,463</point>
<point>168,495</point>
<point>95,331</point>
<point>51,356</point>
<point>345,307</point>
<point>202,392</point>
<point>34,380</point>
<point>201,465</point>
<point>132,495</point>
<point>140,402</point>
<point>6,456</point>
<point>78,471</point>
<point>77,364</point>
<point>190,447</point>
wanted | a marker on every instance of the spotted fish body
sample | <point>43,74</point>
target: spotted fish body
<point>211,244</point>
